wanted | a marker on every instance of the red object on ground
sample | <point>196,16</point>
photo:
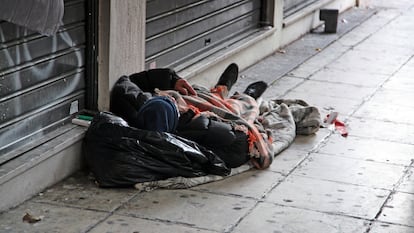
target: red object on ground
<point>339,125</point>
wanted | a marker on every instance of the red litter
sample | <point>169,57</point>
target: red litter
<point>339,125</point>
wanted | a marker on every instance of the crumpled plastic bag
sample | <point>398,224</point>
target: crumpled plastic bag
<point>121,156</point>
<point>43,16</point>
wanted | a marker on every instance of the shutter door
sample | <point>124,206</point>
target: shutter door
<point>179,30</point>
<point>42,79</point>
<point>292,6</point>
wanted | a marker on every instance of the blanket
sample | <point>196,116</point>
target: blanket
<point>239,109</point>
<point>283,119</point>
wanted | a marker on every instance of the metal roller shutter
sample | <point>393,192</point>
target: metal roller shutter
<point>290,7</point>
<point>179,30</point>
<point>42,79</point>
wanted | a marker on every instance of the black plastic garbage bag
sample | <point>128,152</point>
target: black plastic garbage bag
<point>121,156</point>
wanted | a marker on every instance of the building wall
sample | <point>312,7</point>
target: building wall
<point>122,41</point>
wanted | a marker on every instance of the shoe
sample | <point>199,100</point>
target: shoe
<point>256,89</point>
<point>229,76</point>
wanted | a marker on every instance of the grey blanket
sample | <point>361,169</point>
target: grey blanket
<point>283,118</point>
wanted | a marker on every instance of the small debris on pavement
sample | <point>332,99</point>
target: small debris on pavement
<point>282,51</point>
<point>31,218</point>
<point>331,119</point>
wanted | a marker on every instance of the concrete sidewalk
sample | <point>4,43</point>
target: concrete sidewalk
<point>321,183</point>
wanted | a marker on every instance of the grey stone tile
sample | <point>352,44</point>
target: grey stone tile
<point>309,142</point>
<point>367,28</point>
<point>369,149</point>
<point>381,130</point>
<point>379,227</point>
<point>386,112</point>
<point>53,219</point>
<point>349,170</point>
<point>407,69</point>
<point>328,196</point>
<point>396,55</point>
<point>326,104</point>
<point>357,35</point>
<point>407,185</point>
<point>321,59</point>
<point>349,77</point>
<point>79,191</point>
<point>119,223</point>
<point>401,81</point>
<point>370,62</point>
<point>403,4</point>
<point>336,90</point>
<point>267,217</point>
<point>197,209</point>
<point>280,87</point>
<point>401,25</point>
<point>286,161</point>
<point>309,45</point>
<point>305,70</point>
<point>273,67</point>
<point>393,97</point>
<point>253,183</point>
<point>399,209</point>
<point>390,39</point>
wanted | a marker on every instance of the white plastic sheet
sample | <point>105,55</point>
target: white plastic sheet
<point>43,16</point>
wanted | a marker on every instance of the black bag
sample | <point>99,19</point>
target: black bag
<point>121,156</point>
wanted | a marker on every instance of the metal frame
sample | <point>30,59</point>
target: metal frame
<point>92,54</point>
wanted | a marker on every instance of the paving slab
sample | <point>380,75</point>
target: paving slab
<point>399,209</point>
<point>381,130</point>
<point>324,57</point>
<point>309,142</point>
<point>253,183</point>
<point>330,197</point>
<point>190,208</point>
<point>396,55</point>
<point>352,77</point>
<point>351,171</point>
<point>393,97</point>
<point>288,160</point>
<point>54,218</point>
<point>401,81</point>
<point>386,112</point>
<point>402,4</point>
<point>389,40</point>
<point>120,223</point>
<point>380,227</point>
<point>372,62</point>
<point>79,191</point>
<point>369,149</point>
<point>268,217</point>
<point>407,185</point>
<point>335,90</point>
<point>278,88</point>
